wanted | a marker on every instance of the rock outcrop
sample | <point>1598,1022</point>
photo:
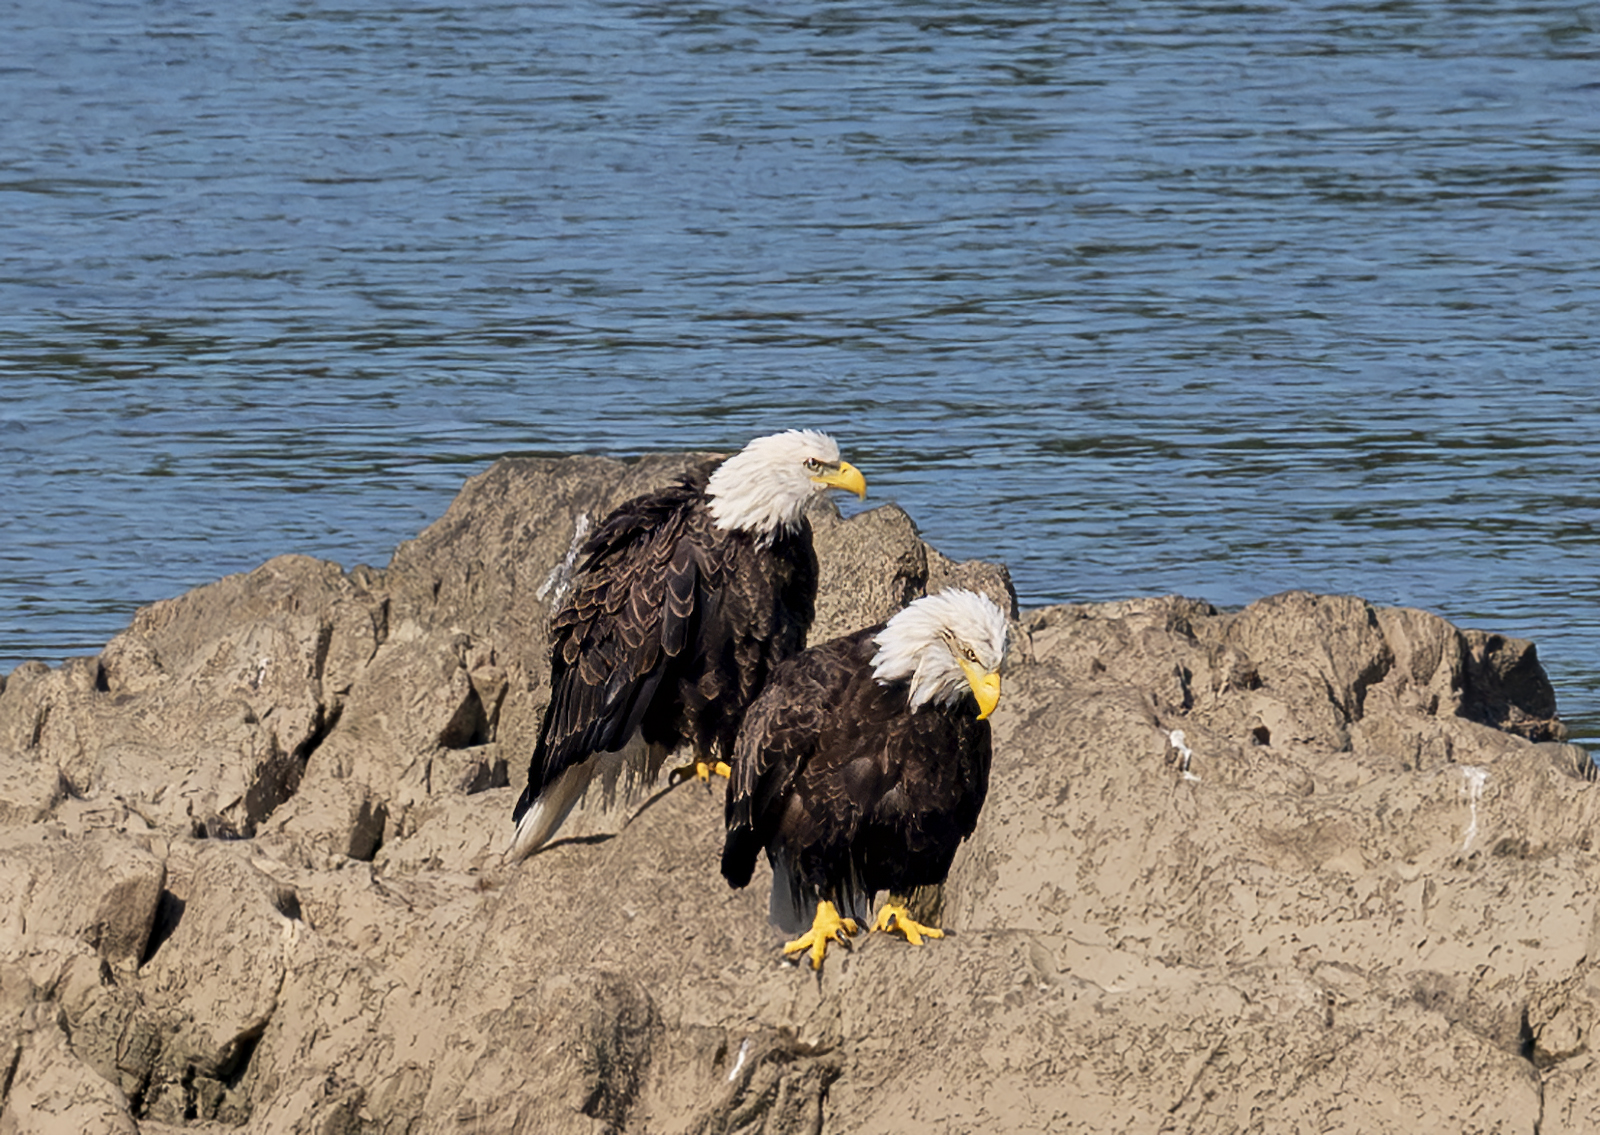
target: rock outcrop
<point>1312,865</point>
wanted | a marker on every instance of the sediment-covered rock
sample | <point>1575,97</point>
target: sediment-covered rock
<point>1312,865</point>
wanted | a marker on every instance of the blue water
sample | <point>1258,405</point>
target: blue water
<point>1137,298</point>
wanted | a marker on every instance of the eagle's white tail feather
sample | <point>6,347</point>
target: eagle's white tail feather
<point>546,813</point>
<point>619,780</point>
<point>792,903</point>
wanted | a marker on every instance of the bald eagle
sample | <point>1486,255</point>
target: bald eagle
<point>863,765</point>
<point>684,601</point>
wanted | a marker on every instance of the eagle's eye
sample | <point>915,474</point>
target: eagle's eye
<point>812,464</point>
<point>969,654</point>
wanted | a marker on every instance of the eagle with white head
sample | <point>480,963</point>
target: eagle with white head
<point>684,601</point>
<point>863,765</point>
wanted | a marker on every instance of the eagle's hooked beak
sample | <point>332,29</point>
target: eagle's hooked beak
<point>846,476</point>
<point>985,687</point>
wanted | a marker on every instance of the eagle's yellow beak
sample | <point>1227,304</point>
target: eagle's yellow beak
<point>847,476</point>
<point>985,687</point>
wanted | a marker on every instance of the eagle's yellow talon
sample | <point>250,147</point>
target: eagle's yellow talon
<point>894,916</point>
<point>825,927</point>
<point>701,771</point>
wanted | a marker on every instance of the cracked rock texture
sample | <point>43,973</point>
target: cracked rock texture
<point>250,874</point>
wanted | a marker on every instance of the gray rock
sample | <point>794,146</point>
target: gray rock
<point>1241,870</point>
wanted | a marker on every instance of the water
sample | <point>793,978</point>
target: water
<point>1137,298</point>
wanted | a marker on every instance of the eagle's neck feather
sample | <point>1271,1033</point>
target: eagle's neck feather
<point>914,654</point>
<point>748,495</point>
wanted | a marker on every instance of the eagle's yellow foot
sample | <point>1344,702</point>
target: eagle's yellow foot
<point>701,771</point>
<point>826,926</point>
<point>893,916</point>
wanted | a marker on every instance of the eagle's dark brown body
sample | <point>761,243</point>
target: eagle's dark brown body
<point>847,790</point>
<point>671,629</point>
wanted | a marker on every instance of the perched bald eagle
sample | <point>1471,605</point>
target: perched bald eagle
<point>863,765</point>
<point>684,601</point>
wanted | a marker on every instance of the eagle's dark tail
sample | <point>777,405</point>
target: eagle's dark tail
<point>791,903</point>
<point>739,855</point>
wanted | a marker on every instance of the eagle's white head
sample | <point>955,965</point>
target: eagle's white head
<point>765,486</point>
<point>945,645</point>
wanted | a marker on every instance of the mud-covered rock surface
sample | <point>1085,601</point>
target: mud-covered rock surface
<point>1309,866</point>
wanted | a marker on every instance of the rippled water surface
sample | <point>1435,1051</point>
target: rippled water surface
<point>1138,298</point>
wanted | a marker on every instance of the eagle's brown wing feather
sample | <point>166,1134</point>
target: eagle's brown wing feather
<point>631,610</point>
<point>782,732</point>
<point>670,630</point>
<point>848,790</point>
